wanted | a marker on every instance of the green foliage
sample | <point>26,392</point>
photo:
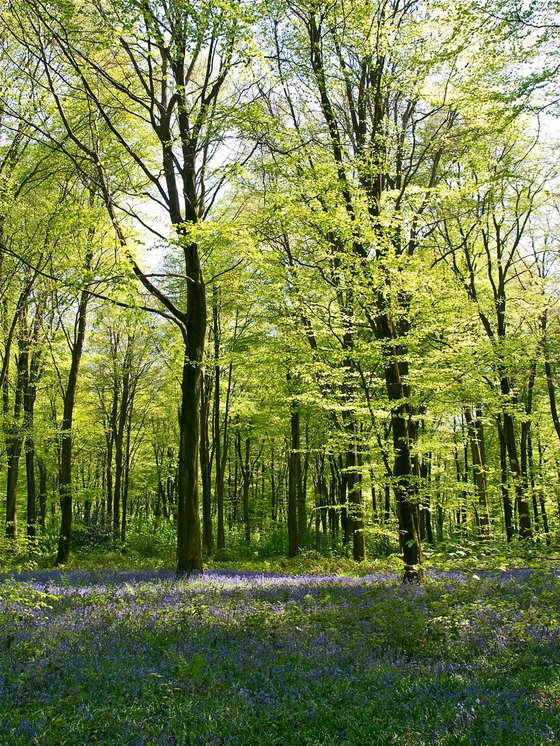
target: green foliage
<point>394,172</point>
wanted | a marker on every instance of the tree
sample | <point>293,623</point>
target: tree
<point>166,77</point>
<point>484,246</point>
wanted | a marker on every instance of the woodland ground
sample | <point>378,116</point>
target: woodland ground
<point>140,656</point>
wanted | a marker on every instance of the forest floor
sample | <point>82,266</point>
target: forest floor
<point>141,656</point>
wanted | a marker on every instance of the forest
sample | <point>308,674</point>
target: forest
<point>281,276</point>
<point>280,294</point>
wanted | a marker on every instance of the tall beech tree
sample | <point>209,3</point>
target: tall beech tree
<point>377,145</point>
<point>159,70</point>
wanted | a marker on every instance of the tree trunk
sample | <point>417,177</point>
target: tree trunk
<point>29,397</point>
<point>426,512</point>
<point>206,465</point>
<point>404,431</point>
<point>302,494</point>
<point>13,452</point>
<point>273,504</point>
<point>189,540</point>
<point>549,377</point>
<point>220,460</point>
<point>14,434</point>
<point>373,493</point>
<point>475,434</point>
<point>521,501</point>
<point>31,487</point>
<point>506,498</point>
<point>294,480</point>
<point>354,494</point>
<point>42,492</point>
<point>119,431</point>
<point>126,474</point>
<point>69,398</point>
<point>246,474</point>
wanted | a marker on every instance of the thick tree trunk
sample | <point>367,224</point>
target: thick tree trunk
<point>189,540</point>
<point>404,483</point>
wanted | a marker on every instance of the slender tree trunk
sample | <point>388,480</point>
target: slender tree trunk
<point>42,492</point>
<point>294,480</point>
<point>111,427</point>
<point>126,473</point>
<point>246,474</point>
<point>334,500</point>
<point>426,521</point>
<point>119,432</point>
<point>542,501</point>
<point>273,504</point>
<point>69,399</point>
<point>475,433</point>
<point>206,465</point>
<point>31,487</point>
<point>302,495</point>
<point>373,493</point>
<point>15,435</point>
<point>526,448</point>
<point>506,498</point>
<point>29,398</point>
<point>508,433</point>
<point>117,490</point>
<point>220,461</point>
<point>13,452</point>
<point>233,491</point>
<point>387,509</point>
<point>354,493</point>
